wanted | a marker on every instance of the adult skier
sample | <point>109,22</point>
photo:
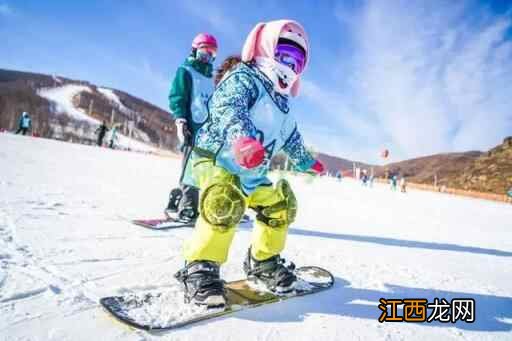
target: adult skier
<point>394,182</point>
<point>190,90</point>
<point>249,122</point>
<point>101,131</point>
<point>113,137</point>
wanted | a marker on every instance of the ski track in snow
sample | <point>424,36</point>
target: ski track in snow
<point>66,241</point>
<point>33,267</point>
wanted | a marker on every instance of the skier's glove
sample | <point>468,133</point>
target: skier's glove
<point>318,168</point>
<point>183,132</point>
<point>249,152</point>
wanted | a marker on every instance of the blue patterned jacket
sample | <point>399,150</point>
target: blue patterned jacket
<point>245,104</point>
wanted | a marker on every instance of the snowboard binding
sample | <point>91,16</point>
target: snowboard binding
<point>278,277</point>
<point>202,284</point>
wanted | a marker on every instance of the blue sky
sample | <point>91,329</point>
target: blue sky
<point>416,77</point>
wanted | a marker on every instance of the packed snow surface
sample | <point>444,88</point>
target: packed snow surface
<point>66,241</point>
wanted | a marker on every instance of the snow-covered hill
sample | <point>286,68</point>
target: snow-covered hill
<point>62,97</point>
<point>110,94</point>
<point>66,241</point>
<point>71,110</point>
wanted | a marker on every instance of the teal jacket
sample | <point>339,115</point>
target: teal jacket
<point>25,121</point>
<point>182,93</point>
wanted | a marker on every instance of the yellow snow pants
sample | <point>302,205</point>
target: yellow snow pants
<point>222,205</point>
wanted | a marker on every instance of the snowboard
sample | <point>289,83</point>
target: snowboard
<point>164,310</point>
<point>172,223</point>
<point>162,224</point>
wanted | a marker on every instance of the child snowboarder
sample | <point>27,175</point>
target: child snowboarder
<point>24,123</point>
<point>249,122</point>
<point>190,90</point>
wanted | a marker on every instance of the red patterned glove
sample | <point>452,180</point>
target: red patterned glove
<point>249,153</point>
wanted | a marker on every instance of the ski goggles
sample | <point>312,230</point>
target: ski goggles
<point>291,56</point>
<point>208,49</point>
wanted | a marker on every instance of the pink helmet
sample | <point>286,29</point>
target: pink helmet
<point>204,39</point>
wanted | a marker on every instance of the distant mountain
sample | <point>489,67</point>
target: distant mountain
<point>490,172</point>
<point>483,172</point>
<point>425,169</point>
<point>335,163</point>
<point>70,109</point>
<point>332,164</point>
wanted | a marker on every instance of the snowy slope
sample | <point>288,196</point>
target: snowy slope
<point>109,93</point>
<point>132,144</point>
<point>66,241</point>
<point>63,98</point>
<point>141,135</point>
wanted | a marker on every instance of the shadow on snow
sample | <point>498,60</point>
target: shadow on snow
<point>339,300</point>
<point>400,242</point>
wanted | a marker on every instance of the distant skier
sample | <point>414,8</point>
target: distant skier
<point>190,90</point>
<point>248,123</point>
<point>24,124</point>
<point>364,177</point>
<point>509,193</point>
<point>394,181</point>
<point>403,185</point>
<point>113,137</point>
<point>339,175</point>
<point>101,131</point>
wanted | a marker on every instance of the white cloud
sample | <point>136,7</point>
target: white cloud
<point>156,84</point>
<point>429,77</point>
<point>337,108</point>
<point>213,15</point>
<point>438,79</point>
<point>343,130</point>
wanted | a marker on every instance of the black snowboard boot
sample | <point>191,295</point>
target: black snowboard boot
<point>187,208</point>
<point>278,277</point>
<point>174,200</point>
<point>203,285</point>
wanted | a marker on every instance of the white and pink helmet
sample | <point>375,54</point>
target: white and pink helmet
<point>263,40</point>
